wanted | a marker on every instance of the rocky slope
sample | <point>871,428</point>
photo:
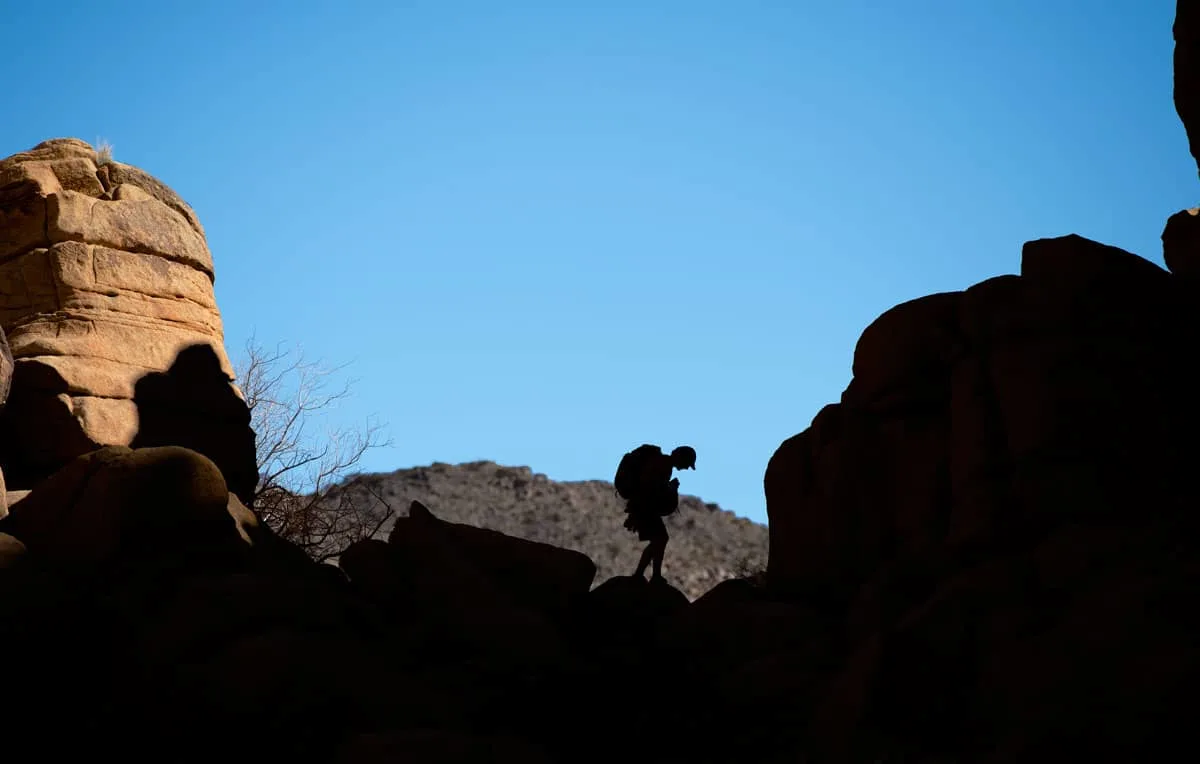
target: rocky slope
<point>708,544</point>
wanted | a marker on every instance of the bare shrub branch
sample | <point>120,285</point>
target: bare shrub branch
<point>299,492</point>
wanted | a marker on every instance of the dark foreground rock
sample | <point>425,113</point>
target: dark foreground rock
<point>144,603</point>
<point>1000,516</point>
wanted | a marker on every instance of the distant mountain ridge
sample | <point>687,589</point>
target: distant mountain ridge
<point>708,544</point>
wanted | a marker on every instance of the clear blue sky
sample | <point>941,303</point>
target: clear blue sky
<point>542,233</point>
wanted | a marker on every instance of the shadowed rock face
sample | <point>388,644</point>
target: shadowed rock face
<point>193,405</point>
<point>6,368</point>
<point>105,277</point>
<point>1187,70</point>
<point>1181,237</point>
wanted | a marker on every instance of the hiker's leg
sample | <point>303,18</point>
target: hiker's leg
<point>644,561</point>
<point>659,547</point>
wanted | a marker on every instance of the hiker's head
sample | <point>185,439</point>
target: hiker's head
<point>684,458</point>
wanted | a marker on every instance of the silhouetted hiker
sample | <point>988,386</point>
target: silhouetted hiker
<point>644,480</point>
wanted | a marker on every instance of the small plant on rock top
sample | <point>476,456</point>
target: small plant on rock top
<point>104,152</point>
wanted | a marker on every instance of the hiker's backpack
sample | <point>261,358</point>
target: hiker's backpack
<point>629,471</point>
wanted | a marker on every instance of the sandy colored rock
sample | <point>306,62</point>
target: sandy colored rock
<point>134,225</point>
<point>130,176</point>
<point>74,277</point>
<point>80,376</point>
<point>105,277</point>
<point>92,334</point>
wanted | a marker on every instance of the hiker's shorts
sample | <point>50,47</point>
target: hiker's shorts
<point>649,527</point>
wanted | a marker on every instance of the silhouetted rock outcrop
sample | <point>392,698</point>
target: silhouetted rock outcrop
<point>1187,70</point>
<point>1024,400</point>
<point>1181,237</point>
<point>995,451</point>
<point>1008,474</point>
<point>1181,243</point>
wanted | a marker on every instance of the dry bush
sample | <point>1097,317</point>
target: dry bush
<point>104,152</point>
<point>300,473</point>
